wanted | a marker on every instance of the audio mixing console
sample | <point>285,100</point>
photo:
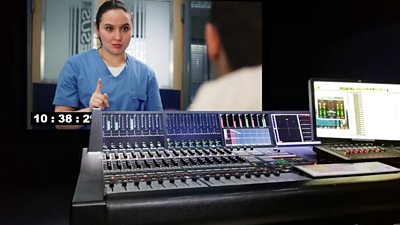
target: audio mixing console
<point>211,167</point>
<point>151,151</point>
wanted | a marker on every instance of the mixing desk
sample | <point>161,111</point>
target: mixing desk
<point>148,164</point>
<point>180,150</point>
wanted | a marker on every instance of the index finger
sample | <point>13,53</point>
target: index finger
<point>98,87</point>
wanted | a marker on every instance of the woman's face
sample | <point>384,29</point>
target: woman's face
<point>115,31</point>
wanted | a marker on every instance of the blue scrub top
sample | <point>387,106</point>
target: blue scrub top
<point>134,89</point>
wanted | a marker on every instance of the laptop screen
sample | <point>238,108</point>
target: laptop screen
<point>355,110</point>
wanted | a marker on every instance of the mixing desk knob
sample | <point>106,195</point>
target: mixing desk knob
<point>227,151</point>
<point>257,174</point>
<point>174,162</point>
<point>219,161</point>
<point>194,177</point>
<point>209,160</point>
<point>247,175</point>
<point>160,180</point>
<point>164,162</point>
<point>237,175</point>
<point>112,181</point>
<point>183,162</point>
<point>124,183</point>
<point>109,167</point>
<point>128,165</point>
<point>136,181</point>
<point>227,176</point>
<point>225,160</point>
<point>156,163</point>
<point>201,161</point>
<point>147,163</point>
<point>183,152</point>
<point>183,179</point>
<point>198,152</point>
<point>267,173</point>
<point>277,172</point>
<point>233,159</point>
<point>241,159</point>
<point>206,177</point>
<point>171,179</point>
<point>217,176</point>
<point>148,180</point>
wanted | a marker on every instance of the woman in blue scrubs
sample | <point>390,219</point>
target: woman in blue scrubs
<point>107,77</point>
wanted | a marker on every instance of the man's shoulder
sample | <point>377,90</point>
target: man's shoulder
<point>241,76</point>
<point>253,71</point>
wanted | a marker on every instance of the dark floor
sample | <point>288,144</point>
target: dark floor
<point>38,177</point>
<point>41,204</point>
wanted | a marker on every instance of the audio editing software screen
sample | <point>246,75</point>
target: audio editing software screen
<point>248,129</point>
<point>358,111</point>
<point>292,128</point>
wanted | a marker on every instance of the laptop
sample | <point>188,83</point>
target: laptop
<point>354,120</point>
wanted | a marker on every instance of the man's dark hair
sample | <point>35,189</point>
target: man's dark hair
<point>239,25</point>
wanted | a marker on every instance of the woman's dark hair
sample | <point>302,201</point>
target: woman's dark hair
<point>110,5</point>
<point>239,25</point>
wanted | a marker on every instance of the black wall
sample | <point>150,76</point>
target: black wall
<point>356,40</point>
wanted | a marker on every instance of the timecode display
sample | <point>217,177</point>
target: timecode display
<point>61,118</point>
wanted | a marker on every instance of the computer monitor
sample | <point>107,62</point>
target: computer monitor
<point>354,110</point>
